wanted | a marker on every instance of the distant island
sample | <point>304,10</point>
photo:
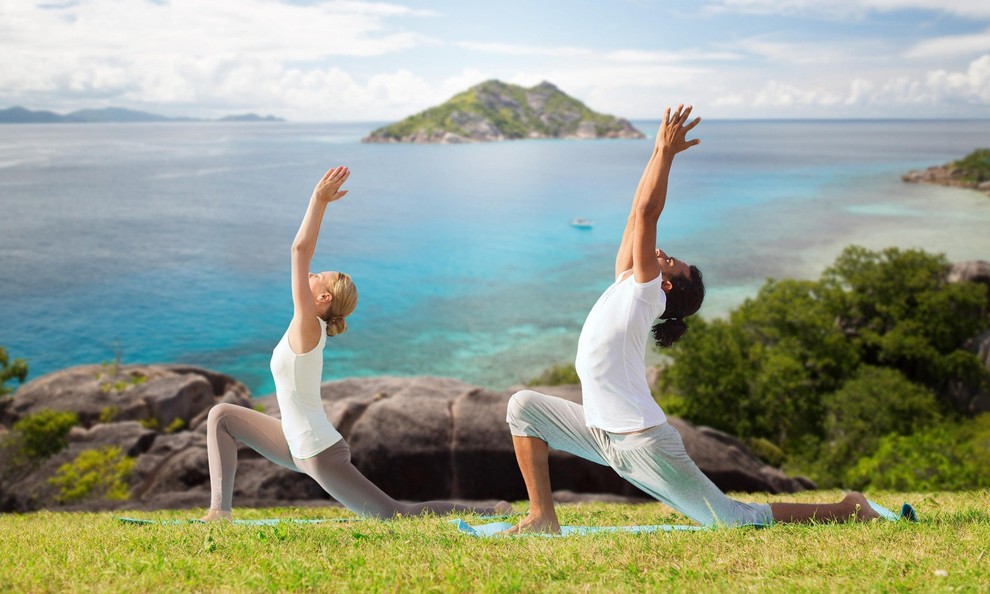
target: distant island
<point>20,115</point>
<point>972,171</point>
<point>494,110</point>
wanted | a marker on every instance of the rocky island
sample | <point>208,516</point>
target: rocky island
<point>494,110</point>
<point>972,171</point>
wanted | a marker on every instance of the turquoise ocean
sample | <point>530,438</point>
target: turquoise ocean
<point>169,243</point>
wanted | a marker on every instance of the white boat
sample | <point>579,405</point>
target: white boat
<point>582,223</point>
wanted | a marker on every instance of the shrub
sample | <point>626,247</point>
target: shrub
<point>177,424</point>
<point>101,473</point>
<point>109,413</point>
<point>876,403</point>
<point>557,375</point>
<point>41,435</point>
<point>944,457</point>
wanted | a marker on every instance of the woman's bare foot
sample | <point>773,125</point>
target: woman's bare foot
<point>217,515</point>
<point>503,508</point>
<point>533,524</point>
<point>860,509</point>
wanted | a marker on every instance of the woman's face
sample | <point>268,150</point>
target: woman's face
<point>321,283</point>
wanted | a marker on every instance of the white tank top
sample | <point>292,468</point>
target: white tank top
<point>611,357</point>
<point>297,389</point>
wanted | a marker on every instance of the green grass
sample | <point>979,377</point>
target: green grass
<point>72,552</point>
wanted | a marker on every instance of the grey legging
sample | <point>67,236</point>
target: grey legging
<point>331,468</point>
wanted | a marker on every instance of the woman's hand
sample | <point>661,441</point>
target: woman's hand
<point>671,136</point>
<point>328,190</point>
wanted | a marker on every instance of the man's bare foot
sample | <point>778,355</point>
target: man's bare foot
<point>503,508</point>
<point>217,515</point>
<point>533,524</point>
<point>860,509</point>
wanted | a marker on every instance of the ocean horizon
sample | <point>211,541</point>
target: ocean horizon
<point>169,242</point>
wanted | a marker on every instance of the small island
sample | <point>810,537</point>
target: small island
<point>494,111</point>
<point>972,171</point>
<point>111,115</point>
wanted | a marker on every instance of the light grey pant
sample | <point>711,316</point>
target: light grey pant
<point>332,469</point>
<point>653,460</point>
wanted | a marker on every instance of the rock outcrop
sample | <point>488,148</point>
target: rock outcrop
<point>973,172</point>
<point>494,111</point>
<point>417,438</point>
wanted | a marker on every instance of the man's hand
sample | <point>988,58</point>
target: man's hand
<point>671,135</point>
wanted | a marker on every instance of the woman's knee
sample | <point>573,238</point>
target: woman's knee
<point>219,411</point>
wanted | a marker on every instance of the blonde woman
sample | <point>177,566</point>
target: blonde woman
<point>305,440</point>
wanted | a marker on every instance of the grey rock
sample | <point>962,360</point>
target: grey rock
<point>975,271</point>
<point>417,438</point>
<point>127,392</point>
<point>130,436</point>
<point>426,438</point>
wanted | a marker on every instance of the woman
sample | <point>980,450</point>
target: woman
<point>304,440</point>
<point>620,424</point>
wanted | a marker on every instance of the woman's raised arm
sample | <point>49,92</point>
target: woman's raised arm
<point>304,330</point>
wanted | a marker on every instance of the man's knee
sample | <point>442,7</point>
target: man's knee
<point>520,410</point>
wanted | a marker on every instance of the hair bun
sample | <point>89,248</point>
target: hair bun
<point>336,325</point>
<point>669,331</point>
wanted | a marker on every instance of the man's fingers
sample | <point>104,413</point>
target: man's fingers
<point>691,143</point>
<point>684,116</point>
<point>693,123</point>
<point>666,116</point>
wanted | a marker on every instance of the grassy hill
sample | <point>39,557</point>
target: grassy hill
<point>495,110</point>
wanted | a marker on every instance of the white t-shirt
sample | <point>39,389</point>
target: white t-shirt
<point>611,357</point>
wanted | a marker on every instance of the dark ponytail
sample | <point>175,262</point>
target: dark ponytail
<point>683,299</point>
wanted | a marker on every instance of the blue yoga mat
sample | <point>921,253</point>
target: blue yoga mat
<point>494,528</point>
<point>907,512</point>
<point>259,522</point>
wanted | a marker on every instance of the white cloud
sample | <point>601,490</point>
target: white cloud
<point>811,53</point>
<point>951,45</point>
<point>845,9</point>
<point>641,56</point>
<point>188,51</point>
<point>932,93</point>
<point>971,86</point>
<point>510,49</point>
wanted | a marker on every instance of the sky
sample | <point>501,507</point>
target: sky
<point>351,60</point>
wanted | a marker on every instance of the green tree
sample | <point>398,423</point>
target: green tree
<point>821,372</point>
<point>899,311</point>
<point>876,403</point>
<point>763,373</point>
<point>16,369</point>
